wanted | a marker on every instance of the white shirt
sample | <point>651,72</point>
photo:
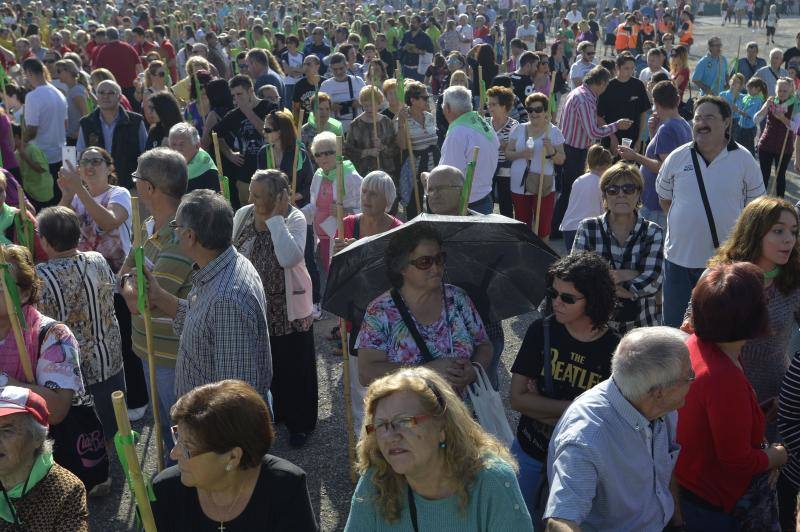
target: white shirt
<point>518,139</point>
<point>646,73</point>
<point>527,34</point>
<point>585,201</point>
<point>732,180</point>
<point>579,69</point>
<point>457,151</point>
<point>574,17</point>
<point>465,32</point>
<point>46,109</point>
<point>339,91</point>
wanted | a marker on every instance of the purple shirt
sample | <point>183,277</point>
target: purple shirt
<point>671,134</point>
<point>7,143</point>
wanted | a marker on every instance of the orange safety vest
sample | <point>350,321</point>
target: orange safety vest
<point>686,37</point>
<point>626,39</point>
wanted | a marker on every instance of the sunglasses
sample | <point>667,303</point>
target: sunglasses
<point>269,130</point>
<point>628,189</point>
<point>536,110</point>
<point>91,161</point>
<point>426,262</point>
<point>402,424</point>
<point>569,299</point>
<point>324,154</point>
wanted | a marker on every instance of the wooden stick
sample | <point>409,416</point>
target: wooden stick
<point>135,472</point>
<point>375,124</point>
<point>296,157</point>
<point>16,327</point>
<point>481,103</point>
<point>539,195</point>
<point>351,444</point>
<point>774,183</point>
<point>218,157</point>
<point>412,162</point>
<point>148,335</point>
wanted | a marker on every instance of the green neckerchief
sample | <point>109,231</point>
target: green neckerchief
<point>330,175</point>
<point>473,121</point>
<point>748,98</point>
<point>788,103</point>
<point>200,164</point>
<point>773,273</point>
<point>6,219</point>
<point>41,466</point>
<point>332,125</point>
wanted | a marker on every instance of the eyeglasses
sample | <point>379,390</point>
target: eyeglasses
<point>187,454</point>
<point>403,424</point>
<point>328,153</point>
<point>174,225</point>
<point>628,189</point>
<point>536,110</point>
<point>588,53</point>
<point>91,161</point>
<point>569,299</point>
<point>426,262</point>
<point>106,93</point>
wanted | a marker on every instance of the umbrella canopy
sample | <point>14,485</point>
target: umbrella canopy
<point>498,261</point>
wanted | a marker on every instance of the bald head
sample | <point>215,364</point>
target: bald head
<point>443,189</point>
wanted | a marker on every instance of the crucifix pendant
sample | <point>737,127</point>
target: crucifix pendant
<point>221,526</point>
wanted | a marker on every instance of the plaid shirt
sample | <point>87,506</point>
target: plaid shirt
<point>223,327</point>
<point>642,251</point>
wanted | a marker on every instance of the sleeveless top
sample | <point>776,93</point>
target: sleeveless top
<point>774,132</point>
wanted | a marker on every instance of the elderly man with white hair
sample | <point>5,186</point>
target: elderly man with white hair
<point>769,74</point>
<point>468,130</point>
<point>185,139</point>
<point>612,453</point>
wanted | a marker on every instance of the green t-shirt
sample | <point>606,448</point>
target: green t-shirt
<point>263,43</point>
<point>434,33</point>
<point>393,37</point>
<point>39,186</point>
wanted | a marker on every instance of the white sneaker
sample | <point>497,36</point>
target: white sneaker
<point>135,414</point>
<point>317,313</point>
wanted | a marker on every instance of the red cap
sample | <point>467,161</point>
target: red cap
<point>14,399</point>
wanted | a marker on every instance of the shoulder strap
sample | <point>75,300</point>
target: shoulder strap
<point>412,509</point>
<point>412,328</point>
<point>350,87</point>
<point>704,196</point>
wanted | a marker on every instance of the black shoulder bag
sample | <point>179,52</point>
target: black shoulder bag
<point>412,328</point>
<point>704,196</point>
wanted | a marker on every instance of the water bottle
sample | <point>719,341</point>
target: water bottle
<point>529,143</point>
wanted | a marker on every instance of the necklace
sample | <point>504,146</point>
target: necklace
<point>227,510</point>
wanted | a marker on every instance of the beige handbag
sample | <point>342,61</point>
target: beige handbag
<point>530,180</point>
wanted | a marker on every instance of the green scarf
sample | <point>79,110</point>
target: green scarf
<point>201,163</point>
<point>748,98</point>
<point>473,121</point>
<point>6,219</point>
<point>330,175</point>
<point>789,101</point>
<point>41,466</point>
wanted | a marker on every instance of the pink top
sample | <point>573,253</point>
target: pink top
<point>324,207</point>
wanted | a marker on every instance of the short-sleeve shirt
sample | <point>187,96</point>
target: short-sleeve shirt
<point>576,367</point>
<point>121,59</point>
<point>46,109</point>
<point>114,245</point>
<point>671,134</point>
<point>248,136</point>
<point>343,91</point>
<point>624,100</point>
<point>455,334</point>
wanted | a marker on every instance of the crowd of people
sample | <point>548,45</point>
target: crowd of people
<point>657,387</point>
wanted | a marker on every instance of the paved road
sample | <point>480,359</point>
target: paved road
<point>325,457</point>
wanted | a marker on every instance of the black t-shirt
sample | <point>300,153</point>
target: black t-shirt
<point>624,100</point>
<point>304,92</point>
<point>280,502</point>
<point>248,136</point>
<point>522,85</point>
<point>577,366</point>
<point>388,60</point>
<point>421,41</point>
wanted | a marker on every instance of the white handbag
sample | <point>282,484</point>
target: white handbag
<point>489,407</point>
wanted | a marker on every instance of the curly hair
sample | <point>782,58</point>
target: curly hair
<point>21,262</point>
<point>744,244</point>
<point>468,451</point>
<point>591,275</point>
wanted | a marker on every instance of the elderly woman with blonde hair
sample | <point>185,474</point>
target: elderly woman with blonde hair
<point>425,464</point>
<point>372,138</point>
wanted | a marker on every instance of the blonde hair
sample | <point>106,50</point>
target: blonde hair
<point>459,77</point>
<point>598,157</point>
<point>468,448</point>
<point>368,93</point>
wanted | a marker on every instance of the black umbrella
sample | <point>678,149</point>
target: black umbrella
<point>498,261</point>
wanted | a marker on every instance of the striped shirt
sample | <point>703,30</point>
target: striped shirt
<point>579,119</point>
<point>422,138</point>
<point>223,327</point>
<point>643,251</point>
<point>172,269</point>
<point>503,165</point>
<point>789,419</point>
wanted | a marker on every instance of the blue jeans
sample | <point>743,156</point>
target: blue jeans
<point>411,73</point>
<point>103,407</point>
<point>530,472</point>
<point>678,285</point>
<point>699,519</point>
<point>165,381</point>
<point>485,205</point>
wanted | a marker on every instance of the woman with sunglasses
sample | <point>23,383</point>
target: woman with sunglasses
<point>499,103</point>
<point>225,478</point>
<point>425,463</point>
<point>725,470</point>
<point>280,136</point>
<point>633,246</point>
<point>320,211</point>
<point>533,149</point>
<point>581,292</point>
<point>446,320</point>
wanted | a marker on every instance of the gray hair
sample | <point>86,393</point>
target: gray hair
<point>275,180</point>
<point>110,82</point>
<point>458,99</point>
<point>165,169</point>
<point>112,33</point>
<point>207,214</point>
<point>648,358</point>
<point>775,52</point>
<point>380,181</point>
<point>448,170</point>
<point>187,131</point>
<point>326,137</point>
<point>38,435</point>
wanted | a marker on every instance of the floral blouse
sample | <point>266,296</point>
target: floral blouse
<point>456,334</point>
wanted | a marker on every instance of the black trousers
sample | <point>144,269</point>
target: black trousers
<point>502,195</point>
<point>294,380</point>
<point>767,160</point>
<point>134,373</point>
<point>311,265</point>
<point>787,503</point>
<point>574,166</point>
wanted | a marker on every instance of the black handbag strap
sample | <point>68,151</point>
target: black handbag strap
<point>627,253</point>
<point>704,196</point>
<point>412,509</point>
<point>412,327</point>
<point>547,358</point>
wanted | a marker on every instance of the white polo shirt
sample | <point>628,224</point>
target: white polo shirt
<point>457,150</point>
<point>732,180</point>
